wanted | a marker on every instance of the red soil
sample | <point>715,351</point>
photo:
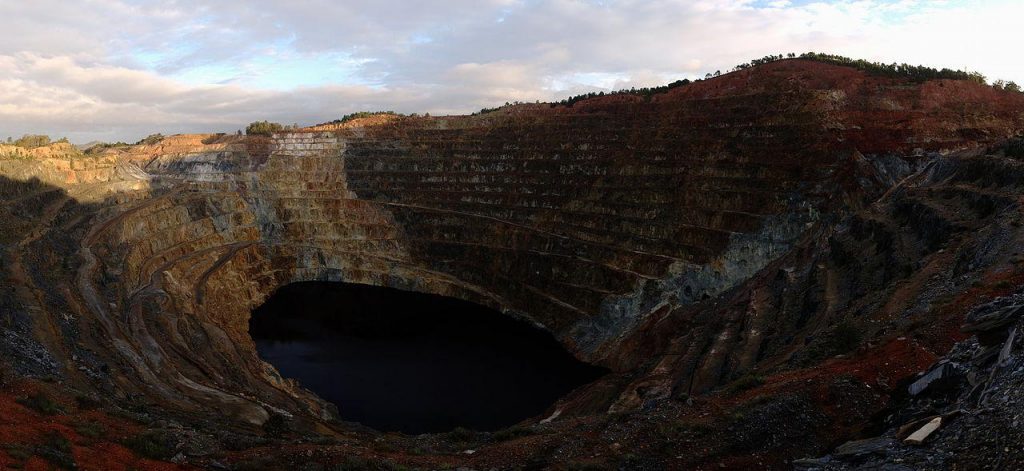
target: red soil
<point>23,429</point>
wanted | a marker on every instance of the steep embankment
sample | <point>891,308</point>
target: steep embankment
<point>752,224</point>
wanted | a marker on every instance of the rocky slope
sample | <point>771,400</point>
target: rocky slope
<point>715,246</point>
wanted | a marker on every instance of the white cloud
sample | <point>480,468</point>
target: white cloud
<point>118,69</point>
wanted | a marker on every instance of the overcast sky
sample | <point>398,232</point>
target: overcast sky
<point>120,69</point>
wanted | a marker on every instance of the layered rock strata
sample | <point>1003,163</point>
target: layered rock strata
<point>606,223</point>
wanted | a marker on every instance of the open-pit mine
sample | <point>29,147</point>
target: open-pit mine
<point>797,264</point>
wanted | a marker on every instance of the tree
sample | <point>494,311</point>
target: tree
<point>1012,87</point>
<point>32,140</point>
<point>263,128</point>
<point>151,139</point>
<point>914,72</point>
<point>999,84</point>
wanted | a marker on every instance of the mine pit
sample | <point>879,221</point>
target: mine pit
<point>411,362</point>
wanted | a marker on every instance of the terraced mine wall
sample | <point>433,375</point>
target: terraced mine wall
<point>592,222</point>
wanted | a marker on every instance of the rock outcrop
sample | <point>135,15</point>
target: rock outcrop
<point>683,241</point>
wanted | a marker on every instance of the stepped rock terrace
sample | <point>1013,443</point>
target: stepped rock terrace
<point>673,240</point>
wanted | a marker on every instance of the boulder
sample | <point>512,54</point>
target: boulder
<point>943,374</point>
<point>868,446</point>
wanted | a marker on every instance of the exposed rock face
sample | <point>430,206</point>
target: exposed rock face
<point>672,240</point>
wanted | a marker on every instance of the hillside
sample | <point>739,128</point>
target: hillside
<point>764,260</point>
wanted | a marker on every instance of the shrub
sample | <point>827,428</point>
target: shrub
<point>588,466</point>
<point>846,337</point>
<point>213,139</point>
<point>150,140</point>
<point>1015,149</point>
<point>511,433</point>
<point>275,427</point>
<point>646,92</point>
<point>263,128</point>
<point>356,463</point>
<point>843,338</point>
<point>57,450</point>
<point>90,429</point>
<point>361,114</point>
<point>87,402</point>
<point>41,403</point>
<point>17,452</point>
<point>914,72</point>
<point>745,382</point>
<point>99,148</point>
<point>461,434</point>
<point>30,141</point>
<point>151,444</point>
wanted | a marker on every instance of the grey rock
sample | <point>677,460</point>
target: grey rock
<point>877,445</point>
<point>811,464</point>
<point>941,371</point>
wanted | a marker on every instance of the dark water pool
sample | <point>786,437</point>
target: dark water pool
<point>410,362</point>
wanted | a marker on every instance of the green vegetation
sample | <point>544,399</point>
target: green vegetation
<point>579,465</point>
<point>745,382</point>
<point>914,72</point>
<point>214,138</point>
<point>461,435</point>
<point>356,463</point>
<point>151,444</point>
<point>263,128</point>
<point>31,141</point>
<point>41,403</point>
<point>99,148</point>
<point>90,429</point>
<point>1010,86</point>
<point>57,450</point>
<point>17,452</point>
<point>1015,148</point>
<point>150,140</point>
<point>487,110</point>
<point>359,115</point>
<point>275,427</point>
<point>511,433</point>
<point>846,337</point>
<point>646,92</point>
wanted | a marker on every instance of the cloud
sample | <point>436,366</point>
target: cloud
<point>119,69</point>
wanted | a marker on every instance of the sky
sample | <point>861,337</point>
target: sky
<point>122,69</point>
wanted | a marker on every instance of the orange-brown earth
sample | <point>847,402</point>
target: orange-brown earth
<point>763,260</point>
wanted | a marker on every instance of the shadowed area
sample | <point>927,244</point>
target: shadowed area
<point>758,258</point>
<point>411,362</point>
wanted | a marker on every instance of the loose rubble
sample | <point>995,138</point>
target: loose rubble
<point>980,406</point>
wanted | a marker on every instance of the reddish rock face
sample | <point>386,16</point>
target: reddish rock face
<point>682,241</point>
